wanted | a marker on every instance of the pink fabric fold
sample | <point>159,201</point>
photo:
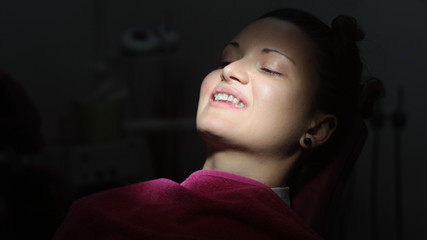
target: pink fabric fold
<point>209,204</point>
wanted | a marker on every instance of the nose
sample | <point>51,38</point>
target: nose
<point>235,71</point>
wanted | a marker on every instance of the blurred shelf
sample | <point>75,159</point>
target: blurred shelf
<point>159,125</point>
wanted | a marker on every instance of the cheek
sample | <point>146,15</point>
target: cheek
<point>204,89</point>
<point>283,104</point>
<point>208,84</point>
<point>271,96</point>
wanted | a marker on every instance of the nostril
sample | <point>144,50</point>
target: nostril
<point>223,77</point>
<point>226,77</point>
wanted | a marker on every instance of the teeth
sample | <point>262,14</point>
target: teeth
<point>229,98</point>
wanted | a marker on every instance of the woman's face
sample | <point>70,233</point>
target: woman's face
<point>261,97</point>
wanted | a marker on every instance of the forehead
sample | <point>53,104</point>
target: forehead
<point>271,32</point>
<point>270,25</point>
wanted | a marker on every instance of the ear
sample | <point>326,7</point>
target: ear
<point>319,130</point>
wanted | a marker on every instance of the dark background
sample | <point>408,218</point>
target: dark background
<point>63,52</point>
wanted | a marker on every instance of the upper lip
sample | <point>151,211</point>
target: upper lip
<point>230,91</point>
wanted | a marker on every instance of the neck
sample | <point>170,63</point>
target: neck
<point>269,169</point>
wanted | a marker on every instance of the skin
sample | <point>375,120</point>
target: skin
<point>269,66</point>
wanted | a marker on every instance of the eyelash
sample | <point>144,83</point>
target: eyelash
<point>265,70</point>
<point>270,72</point>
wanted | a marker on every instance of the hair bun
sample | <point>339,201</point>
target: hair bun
<point>346,27</point>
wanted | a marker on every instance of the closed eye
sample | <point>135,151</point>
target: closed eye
<point>271,72</point>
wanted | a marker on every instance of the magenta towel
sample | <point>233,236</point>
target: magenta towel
<point>207,205</point>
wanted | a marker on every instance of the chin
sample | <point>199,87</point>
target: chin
<point>213,129</point>
<point>210,126</point>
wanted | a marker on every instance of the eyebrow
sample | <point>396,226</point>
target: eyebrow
<point>264,50</point>
<point>268,50</point>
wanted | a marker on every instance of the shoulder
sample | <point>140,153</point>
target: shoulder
<point>112,209</point>
<point>126,195</point>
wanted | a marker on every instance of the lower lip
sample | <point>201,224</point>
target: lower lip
<point>223,104</point>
